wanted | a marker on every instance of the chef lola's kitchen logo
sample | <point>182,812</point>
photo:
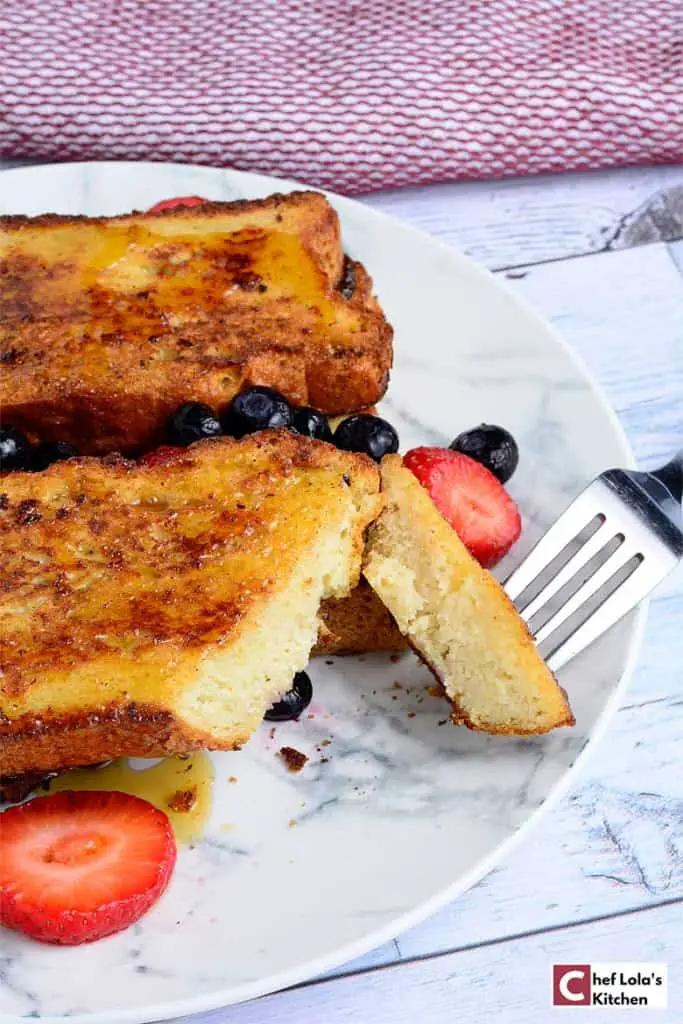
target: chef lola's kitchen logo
<point>623,985</point>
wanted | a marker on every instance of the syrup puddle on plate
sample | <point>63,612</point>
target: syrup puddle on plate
<point>181,787</point>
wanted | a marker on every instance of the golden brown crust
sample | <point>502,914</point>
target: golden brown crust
<point>83,533</point>
<point>319,226</point>
<point>63,741</point>
<point>460,716</point>
<point>120,580</point>
<point>276,202</point>
<point>108,324</point>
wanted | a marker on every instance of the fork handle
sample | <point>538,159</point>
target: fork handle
<point>671,475</point>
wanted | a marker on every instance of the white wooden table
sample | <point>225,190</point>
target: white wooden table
<point>601,255</point>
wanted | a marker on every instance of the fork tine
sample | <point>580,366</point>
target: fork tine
<point>614,544</point>
<point>562,647</point>
<point>578,561</point>
<point>625,553</point>
<point>572,523</point>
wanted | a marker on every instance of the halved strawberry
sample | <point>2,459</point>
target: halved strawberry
<point>77,866</point>
<point>170,204</point>
<point>471,499</point>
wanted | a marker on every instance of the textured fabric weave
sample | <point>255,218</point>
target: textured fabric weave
<point>344,94</point>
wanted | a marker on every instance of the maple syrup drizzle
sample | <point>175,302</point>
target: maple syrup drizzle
<point>181,787</point>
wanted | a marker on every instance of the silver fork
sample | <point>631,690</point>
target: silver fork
<point>613,545</point>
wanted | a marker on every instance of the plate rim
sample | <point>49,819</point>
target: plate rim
<point>313,969</point>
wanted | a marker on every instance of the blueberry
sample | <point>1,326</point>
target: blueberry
<point>369,434</point>
<point>311,423</point>
<point>256,408</point>
<point>292,703</point>
<point>191,422</point>
<point>47,452</point>
<point>492,446</point>
<point>15,449</point>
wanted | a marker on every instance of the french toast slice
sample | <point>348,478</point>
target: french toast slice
<point>152,609</point>
<point>457,617</point>
<point>108,324</point>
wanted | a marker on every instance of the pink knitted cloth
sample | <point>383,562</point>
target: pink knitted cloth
<point>348,94</point>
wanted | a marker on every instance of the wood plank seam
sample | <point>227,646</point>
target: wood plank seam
<point>658,219</point>
<point>491,943</point>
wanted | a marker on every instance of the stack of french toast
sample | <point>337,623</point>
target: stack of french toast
<point>197,493</point>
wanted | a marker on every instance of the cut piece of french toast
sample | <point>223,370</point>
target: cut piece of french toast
<point>457,617</point>
<point>108,324</point>
<point>155,608</point>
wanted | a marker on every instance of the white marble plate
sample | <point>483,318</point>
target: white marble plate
<point>407,812</point>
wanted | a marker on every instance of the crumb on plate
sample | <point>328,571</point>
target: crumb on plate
<point>294,759</point>
<point>183,800</point>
